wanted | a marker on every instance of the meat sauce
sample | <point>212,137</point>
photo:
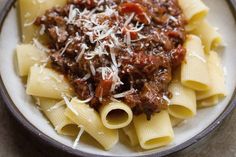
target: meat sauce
<point>125,50</point>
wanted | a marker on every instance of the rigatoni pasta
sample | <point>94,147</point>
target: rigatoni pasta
<point>130,132</point>
<point>45,82</point>
<point>89,119</point>
<point>175,121</point>
<point>115,115</point>
<point>27,56</point>
<point>54,111</point>
<point>183,102</point>
<point>208,34</point>
<point>216,74</point>
<point>194,71</point>
<point>154,133</point>
<point>211,101</point>
<point>194,11</point>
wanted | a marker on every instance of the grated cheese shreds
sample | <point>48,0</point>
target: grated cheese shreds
<point>67,44</point>
<point>92,69</point>
<point>136,28</point>
<point>81,131</point>
<point>147,18</point>
<point>115,79</point>
<point>84,47</point>
<point>29,23</point>
<point>106,72</point>
<point>105,35</point>
<point>69,105</point>
<point>113,57</point>
<point>56,106</point>
<point>166,99</point>
<point>57,31</point>
<point>85,101</point>
<point>129,19</point>
<point>42,30</point>
<point>123,94</point>
<point>86,77</point>
<point>72,14</point>
<point>38,45</point>
<point>128,39</point>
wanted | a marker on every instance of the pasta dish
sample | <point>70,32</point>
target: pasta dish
<point>100,66</point>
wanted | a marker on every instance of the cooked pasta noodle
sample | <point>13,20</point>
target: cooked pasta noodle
<point>27,56</point>
<point>211,101</point>
<point>194,11</point>
<point>92,124</point>
<point>56,116</point>
<point>194,71</point>
<point>208,34</point>
<point>115,115</point>
<point>154,133</point>
<point>175,121</point>
<point>45,82</point>
<point>183,102</point>
<point>131,133</point>
<point>217,88</point>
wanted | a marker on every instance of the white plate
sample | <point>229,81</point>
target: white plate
<point>220,16</point>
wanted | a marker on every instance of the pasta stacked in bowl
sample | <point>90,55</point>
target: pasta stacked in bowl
<point>197,81</point>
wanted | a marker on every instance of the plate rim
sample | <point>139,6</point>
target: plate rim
<point>69,150</point>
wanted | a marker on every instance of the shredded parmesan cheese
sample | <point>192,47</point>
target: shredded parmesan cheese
<point>92,69</point>
<point>69,105</point>
<point>81,131</point>
<point>166,99</point>
<point>85,101</point>
<point>67,44</point>
<point>42,30</point>
<point>83,47</point>
<point>56,106</point>
<point>29,23</point>
<point>121,95</point>
<point>113,57</point>
<point>129,19</point>
<point>38,45</point>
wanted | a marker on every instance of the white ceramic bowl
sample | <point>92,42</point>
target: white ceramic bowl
<point>22,107</point>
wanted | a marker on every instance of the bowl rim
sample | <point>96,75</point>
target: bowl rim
<point>69,150</point>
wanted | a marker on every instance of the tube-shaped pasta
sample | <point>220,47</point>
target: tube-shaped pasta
<point>27,56</point>
<point>208,34</point>
<point>216,74</point>
<point>208,102</point>
<point>194,11</point>
<point>29,11</point>
<point>194,72</point>
<point>183,102</point>
<point>45,82</point>
<point>116,115</point>
<point>90,120</point>
<point>154,133</point>
<point>175,121</point>
<point>131,133</point>
<point>54,111</point>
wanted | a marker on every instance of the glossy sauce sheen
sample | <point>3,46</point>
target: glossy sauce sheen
<point>126,50</point>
